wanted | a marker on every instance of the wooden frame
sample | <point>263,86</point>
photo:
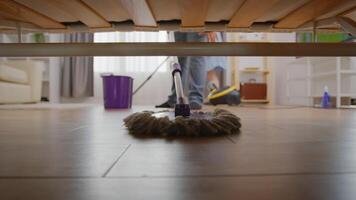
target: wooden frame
<point>177,49</point>
<point>186,15</point>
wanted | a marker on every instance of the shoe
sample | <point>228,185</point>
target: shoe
<point>195,106</point>
<point>164,105</point>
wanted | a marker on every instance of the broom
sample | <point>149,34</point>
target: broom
<point>182,122</point>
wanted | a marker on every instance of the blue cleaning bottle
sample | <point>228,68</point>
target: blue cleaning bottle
<point>325,101</point>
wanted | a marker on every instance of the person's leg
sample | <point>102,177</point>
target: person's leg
<point>196,73</point>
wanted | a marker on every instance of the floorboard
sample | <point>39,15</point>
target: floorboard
<point>86,153</point>
<point>306,187</point>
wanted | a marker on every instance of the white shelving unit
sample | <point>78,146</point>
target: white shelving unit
<point>241,64</point>
<point>334,72</point>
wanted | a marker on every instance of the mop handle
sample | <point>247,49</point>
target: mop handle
<point>150,76</point>
<point>176,73</point>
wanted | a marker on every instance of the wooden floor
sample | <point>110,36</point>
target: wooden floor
<point>85,153</point>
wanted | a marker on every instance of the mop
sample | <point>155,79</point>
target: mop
<point>181,121</point>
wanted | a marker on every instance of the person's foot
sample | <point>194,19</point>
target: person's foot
<point>164,105</point>
<point>195,106</point>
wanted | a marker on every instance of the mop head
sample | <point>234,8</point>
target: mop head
<point>164,123</point>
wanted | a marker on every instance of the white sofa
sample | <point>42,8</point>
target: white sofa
<point>20,81</point>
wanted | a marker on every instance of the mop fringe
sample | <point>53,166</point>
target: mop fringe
<point>220,122</point>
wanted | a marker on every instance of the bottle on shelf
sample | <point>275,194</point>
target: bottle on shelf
<point>325,101</point>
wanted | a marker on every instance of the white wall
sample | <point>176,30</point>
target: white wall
<point>278,67</point>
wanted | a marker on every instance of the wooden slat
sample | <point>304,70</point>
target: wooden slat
<point>348,25</point>
<point>281,9</point>
<point>11,8</point>
<point>81,11</point>
<point>349,11</point>
<point>340,9</point>
<point>322,23</point>
<point>193,12</point>
<point>10,24</point>
<point>351,15</point>
<point>249,12</point>
<point>111,10</point>
<point>328,22</point>
<point>307,12</point>
<point>49,9</point>
<point>140,12</point>
<point>165,10</point>
<point>5,12</point>
<point>222,9</point>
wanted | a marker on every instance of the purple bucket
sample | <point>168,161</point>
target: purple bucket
<point>117,91</point>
